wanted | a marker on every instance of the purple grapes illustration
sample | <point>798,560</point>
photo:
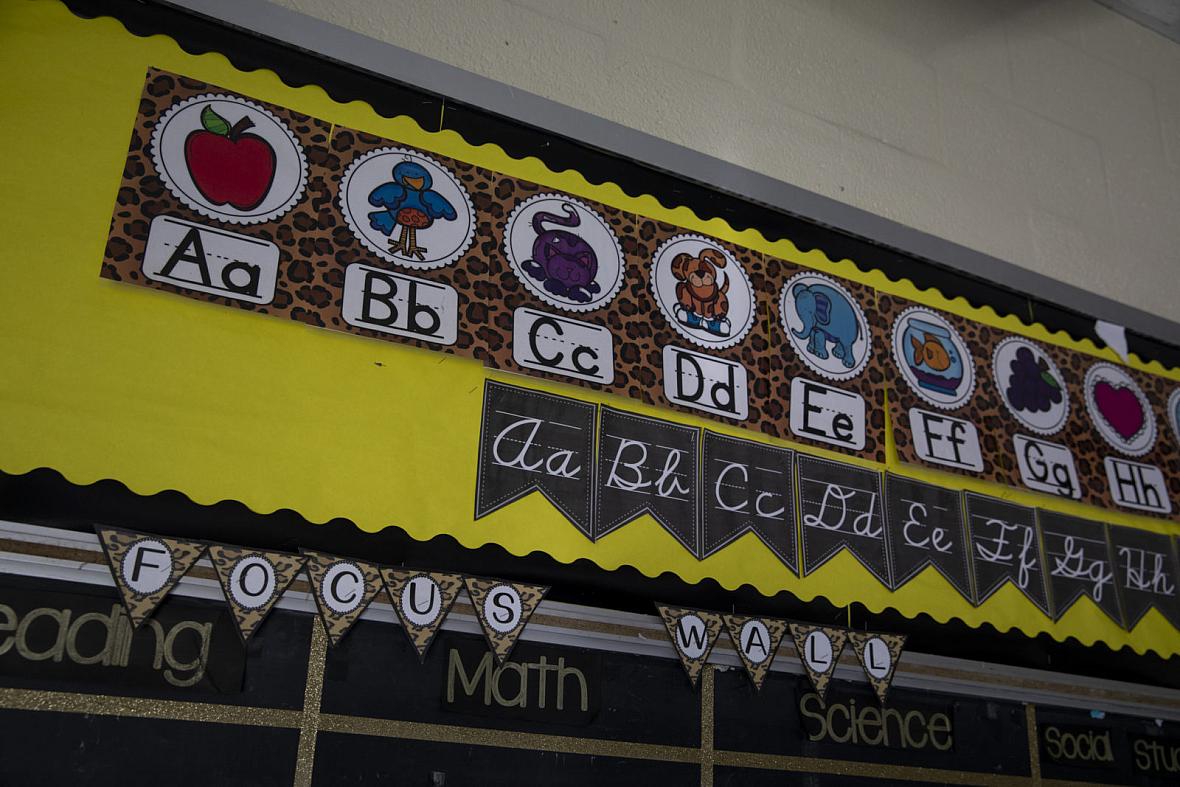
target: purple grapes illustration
<point>1032,387</point>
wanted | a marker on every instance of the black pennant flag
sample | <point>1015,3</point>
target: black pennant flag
<point>1005,547</point>
<point>1146,574</point>
<point>1078,562</point>
<point>748,487</point>
<point>925,528</point>
<point>647,466</point>
<point>531,440</point>
<point>840,507</point>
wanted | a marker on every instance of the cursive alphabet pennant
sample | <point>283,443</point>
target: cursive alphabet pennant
<point>748,487</point>
<point>1078,562</point>
<point>925,528</point>
<point>878,654</point>
<point>646,465</point>
<point>253,580</point>
<point>757,641</point>
<point>1005,548</point>
<point>342,588</point>
<point>422,600</point>
<point>693,633</point>
<point>1146,574</point>
<point>503,609</point>
<point>819,648</point>
<point>146,567</point>
<point>531,440</point>
<point>840,507</point>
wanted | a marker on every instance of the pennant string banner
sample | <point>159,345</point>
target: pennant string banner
<point>626,304</point>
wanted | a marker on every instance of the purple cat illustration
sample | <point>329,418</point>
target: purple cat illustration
<point>562,261</point>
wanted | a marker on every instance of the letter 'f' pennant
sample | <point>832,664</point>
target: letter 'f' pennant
<point>693,633</point>
<point>146,567</point>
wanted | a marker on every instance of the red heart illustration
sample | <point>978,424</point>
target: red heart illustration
<point>1120,408</point>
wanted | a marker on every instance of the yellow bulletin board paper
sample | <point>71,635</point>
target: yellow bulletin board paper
<point>103,381</point>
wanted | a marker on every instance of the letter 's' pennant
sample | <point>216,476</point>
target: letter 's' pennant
<point>503,609</point>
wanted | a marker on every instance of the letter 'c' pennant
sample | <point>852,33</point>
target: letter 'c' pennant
<point>146,567</point>
<point>693,633</point>
<point>757,641</point>
<point>342,589</point>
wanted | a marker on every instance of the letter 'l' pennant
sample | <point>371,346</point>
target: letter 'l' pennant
<point>878,654</point>
<point>819,648</point>
<point>693,633</point>
<point>757,641</point>
<point>146,567</point>
<point>343,588</point>
<point>253,580</point>
<point>422,599</point>
<point>503,609</point>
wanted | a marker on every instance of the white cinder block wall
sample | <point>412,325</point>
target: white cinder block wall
<point>1044,132</point>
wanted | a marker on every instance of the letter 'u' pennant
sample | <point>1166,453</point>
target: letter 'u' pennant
<point>819,648</point>
<point>693,633</point>
<point>422,599</point>
<point>253,581</point>
<point>757,641</point>
<point>503,609</point>
<point>146,567</point>
<point>878,654</point>
<point>342,588</point>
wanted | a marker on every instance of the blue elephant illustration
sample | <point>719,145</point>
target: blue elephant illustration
<point>828,317</point>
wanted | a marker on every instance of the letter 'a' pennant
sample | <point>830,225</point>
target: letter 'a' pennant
<point>878,654</point>
<point>253,580</point>
<point>819,648</point>
<point>503,609</point>
<point>757,641</point>
<point>146,567</point>
<point>693,633</point>
<point>422,599</point>
<point>343,588</point>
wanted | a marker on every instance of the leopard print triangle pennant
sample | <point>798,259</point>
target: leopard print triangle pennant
<point>253,581</point>
<point>342,588</point>
<point>503,609</point>
<point>422,600</point>
<point>693,633</point>
<point>878,655</point>
<point>819,648</point>
<point>756,641</point>
<point>146,567</point>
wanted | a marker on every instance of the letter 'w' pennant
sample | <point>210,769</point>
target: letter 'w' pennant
<point>146,567</point>
<point>693,634</point>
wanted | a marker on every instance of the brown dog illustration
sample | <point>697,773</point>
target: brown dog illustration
<point>698,294</point>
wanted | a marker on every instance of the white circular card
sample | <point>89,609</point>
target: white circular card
<point>1030,385</point>
<point>502,608</point>
<point>146,566</point>
<point>252,581</point>
<point>407,208</point>
<point>817,652</point>
<point>755,633</point>
<point>564,252</point>
<point>421,600</point>
<point>692,646</point>
<point>1119,409</point>
<point>933,358</point>
<point>229,159</point>
<point>825,325</point>
<point>343,588</point>
<point>702,291</point>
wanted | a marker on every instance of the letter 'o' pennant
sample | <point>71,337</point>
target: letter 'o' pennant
<point>253,580</point>
<point>757,641</point>
<point>421,599</point>
<point>693,633</point>
<point>503,609</point>
<point>146,567</point>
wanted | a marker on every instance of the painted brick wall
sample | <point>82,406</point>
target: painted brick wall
<point>1045,132</point>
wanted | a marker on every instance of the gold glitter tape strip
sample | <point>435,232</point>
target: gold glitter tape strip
<point>146,708</point>
<point>781,762</point>
<point>1034,750</point>
<point>313,693</point>
<point>504,739</point>
<point>707,720</point>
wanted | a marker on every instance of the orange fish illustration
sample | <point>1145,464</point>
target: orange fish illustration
<point>931,352</point>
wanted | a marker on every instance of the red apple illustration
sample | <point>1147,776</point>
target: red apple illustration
<point>228,165</point>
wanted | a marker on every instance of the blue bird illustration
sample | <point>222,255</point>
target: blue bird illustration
<point>409,202</point>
